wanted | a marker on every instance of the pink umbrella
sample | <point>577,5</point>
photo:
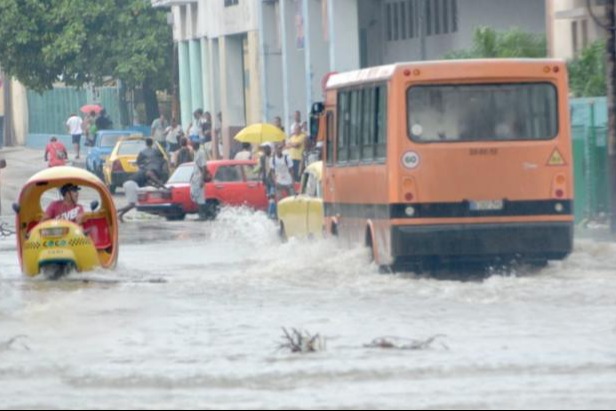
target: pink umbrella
<point>88,108</point>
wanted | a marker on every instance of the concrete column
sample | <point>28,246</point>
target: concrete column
<point>253,105</point>
<point>344,35</point>
<point>196,83</point>
<point>272,103</point>
<point>232,88</point>
<point>185,89</point>
<point>317,52</point>
<point>214,76</point>
<point>206,74</point>
<point>293,61</point>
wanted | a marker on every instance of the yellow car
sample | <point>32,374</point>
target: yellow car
<point>122,163</point>
<point>302,215</point>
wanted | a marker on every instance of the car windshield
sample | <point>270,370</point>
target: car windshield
<point>181,175</point>
<point>110,140</point>
<point>131,147</point>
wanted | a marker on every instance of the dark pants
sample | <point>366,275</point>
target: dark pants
<point>296,170</point>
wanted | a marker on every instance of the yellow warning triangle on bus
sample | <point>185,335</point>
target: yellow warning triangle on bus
<point>557,159</point>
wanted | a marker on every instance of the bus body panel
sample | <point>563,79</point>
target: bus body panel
<point>462,199</point>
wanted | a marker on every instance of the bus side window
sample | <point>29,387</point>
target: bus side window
<point>329,159</point>
<point>344,127</point>
<point>381,132</point>
<point>355,135</point>
<point>368,126</point>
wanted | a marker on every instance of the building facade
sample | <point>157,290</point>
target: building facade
<point>253,60</point>
<point>571,27</point>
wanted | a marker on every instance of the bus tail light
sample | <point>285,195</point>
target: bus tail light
<point>409,190</point>
<point>559,187</point>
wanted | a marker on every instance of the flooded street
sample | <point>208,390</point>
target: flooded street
<point>193,316</point>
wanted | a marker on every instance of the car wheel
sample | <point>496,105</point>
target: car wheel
<point>213,209</point>
<point>177,217</point>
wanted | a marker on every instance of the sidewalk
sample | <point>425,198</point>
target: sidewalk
<point>21,164</point>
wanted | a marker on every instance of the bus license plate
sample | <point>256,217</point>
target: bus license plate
<point>493,205</point>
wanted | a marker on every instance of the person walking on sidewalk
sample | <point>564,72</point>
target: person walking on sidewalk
<point>73,125</point>
<point>55,153</point>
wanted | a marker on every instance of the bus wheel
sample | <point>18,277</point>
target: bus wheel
<point>383,269</point>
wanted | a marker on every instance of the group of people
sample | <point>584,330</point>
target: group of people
<point>56,153</point>
<point>279,165</point>
<point>200,131</point>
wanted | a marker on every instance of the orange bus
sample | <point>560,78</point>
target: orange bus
<point>450,161</point>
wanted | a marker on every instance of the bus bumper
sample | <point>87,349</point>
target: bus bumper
<point>483,242</point>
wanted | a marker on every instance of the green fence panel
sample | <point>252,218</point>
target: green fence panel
<point>581,176</point>
<point>47,112</point>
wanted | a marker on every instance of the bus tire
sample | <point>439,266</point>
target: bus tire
<point>383,269</point>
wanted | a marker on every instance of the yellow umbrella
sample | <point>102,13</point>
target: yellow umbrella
<point>261,133</point>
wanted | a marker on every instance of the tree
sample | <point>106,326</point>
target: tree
<point>83,41</point>
<point>587,72</point>
<point>514,43</point>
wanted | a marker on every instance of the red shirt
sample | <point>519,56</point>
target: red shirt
<point>59,210</point>
<point>53,150</point>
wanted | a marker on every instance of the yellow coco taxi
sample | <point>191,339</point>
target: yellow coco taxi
<point>302,215</point>
<point>122,163</point>
<point>58,245</point>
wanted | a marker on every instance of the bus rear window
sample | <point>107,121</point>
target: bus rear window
<point>482,112</point>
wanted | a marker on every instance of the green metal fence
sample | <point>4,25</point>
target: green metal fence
<point>589,133</point>
<point>48,112</point>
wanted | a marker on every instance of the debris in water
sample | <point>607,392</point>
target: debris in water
<point>298,342</point>
<point>397,343</point>
<point>7,345</point>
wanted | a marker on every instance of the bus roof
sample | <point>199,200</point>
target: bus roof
<point>386,72</point>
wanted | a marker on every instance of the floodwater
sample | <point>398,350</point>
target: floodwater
<point>193,317</point>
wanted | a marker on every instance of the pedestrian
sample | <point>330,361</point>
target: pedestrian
<point>281,170</point>
<point>296,145</point>
<point>150,159</point>
<point>297,120</point>
<point>73,125</point>
<point>131,187</point>
<point>199,177</point>
<point>158,129</point>
<point>263,169</point>
<point>194,131</point>
<point>245,154</point>
<point>217,137</point>
<point>206,132</point>
<point>278,123</point>
<point>55,153</point>
<point>173,136</point>
<point>185,154</point>
<point>103,122</point>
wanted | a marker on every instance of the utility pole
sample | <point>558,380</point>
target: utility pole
<point>611,105</point>
<point>609,25</point>
<point>423,28</point>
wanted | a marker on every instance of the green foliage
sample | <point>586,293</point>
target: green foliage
<point>81,41</point>
<point>587,73</point>
<point>514,43</point>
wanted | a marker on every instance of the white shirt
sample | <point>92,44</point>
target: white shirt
<point>243,156</point>
<point>281,166</point>
<point>74,125</point>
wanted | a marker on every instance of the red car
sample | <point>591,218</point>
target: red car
<point>234,183</point>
